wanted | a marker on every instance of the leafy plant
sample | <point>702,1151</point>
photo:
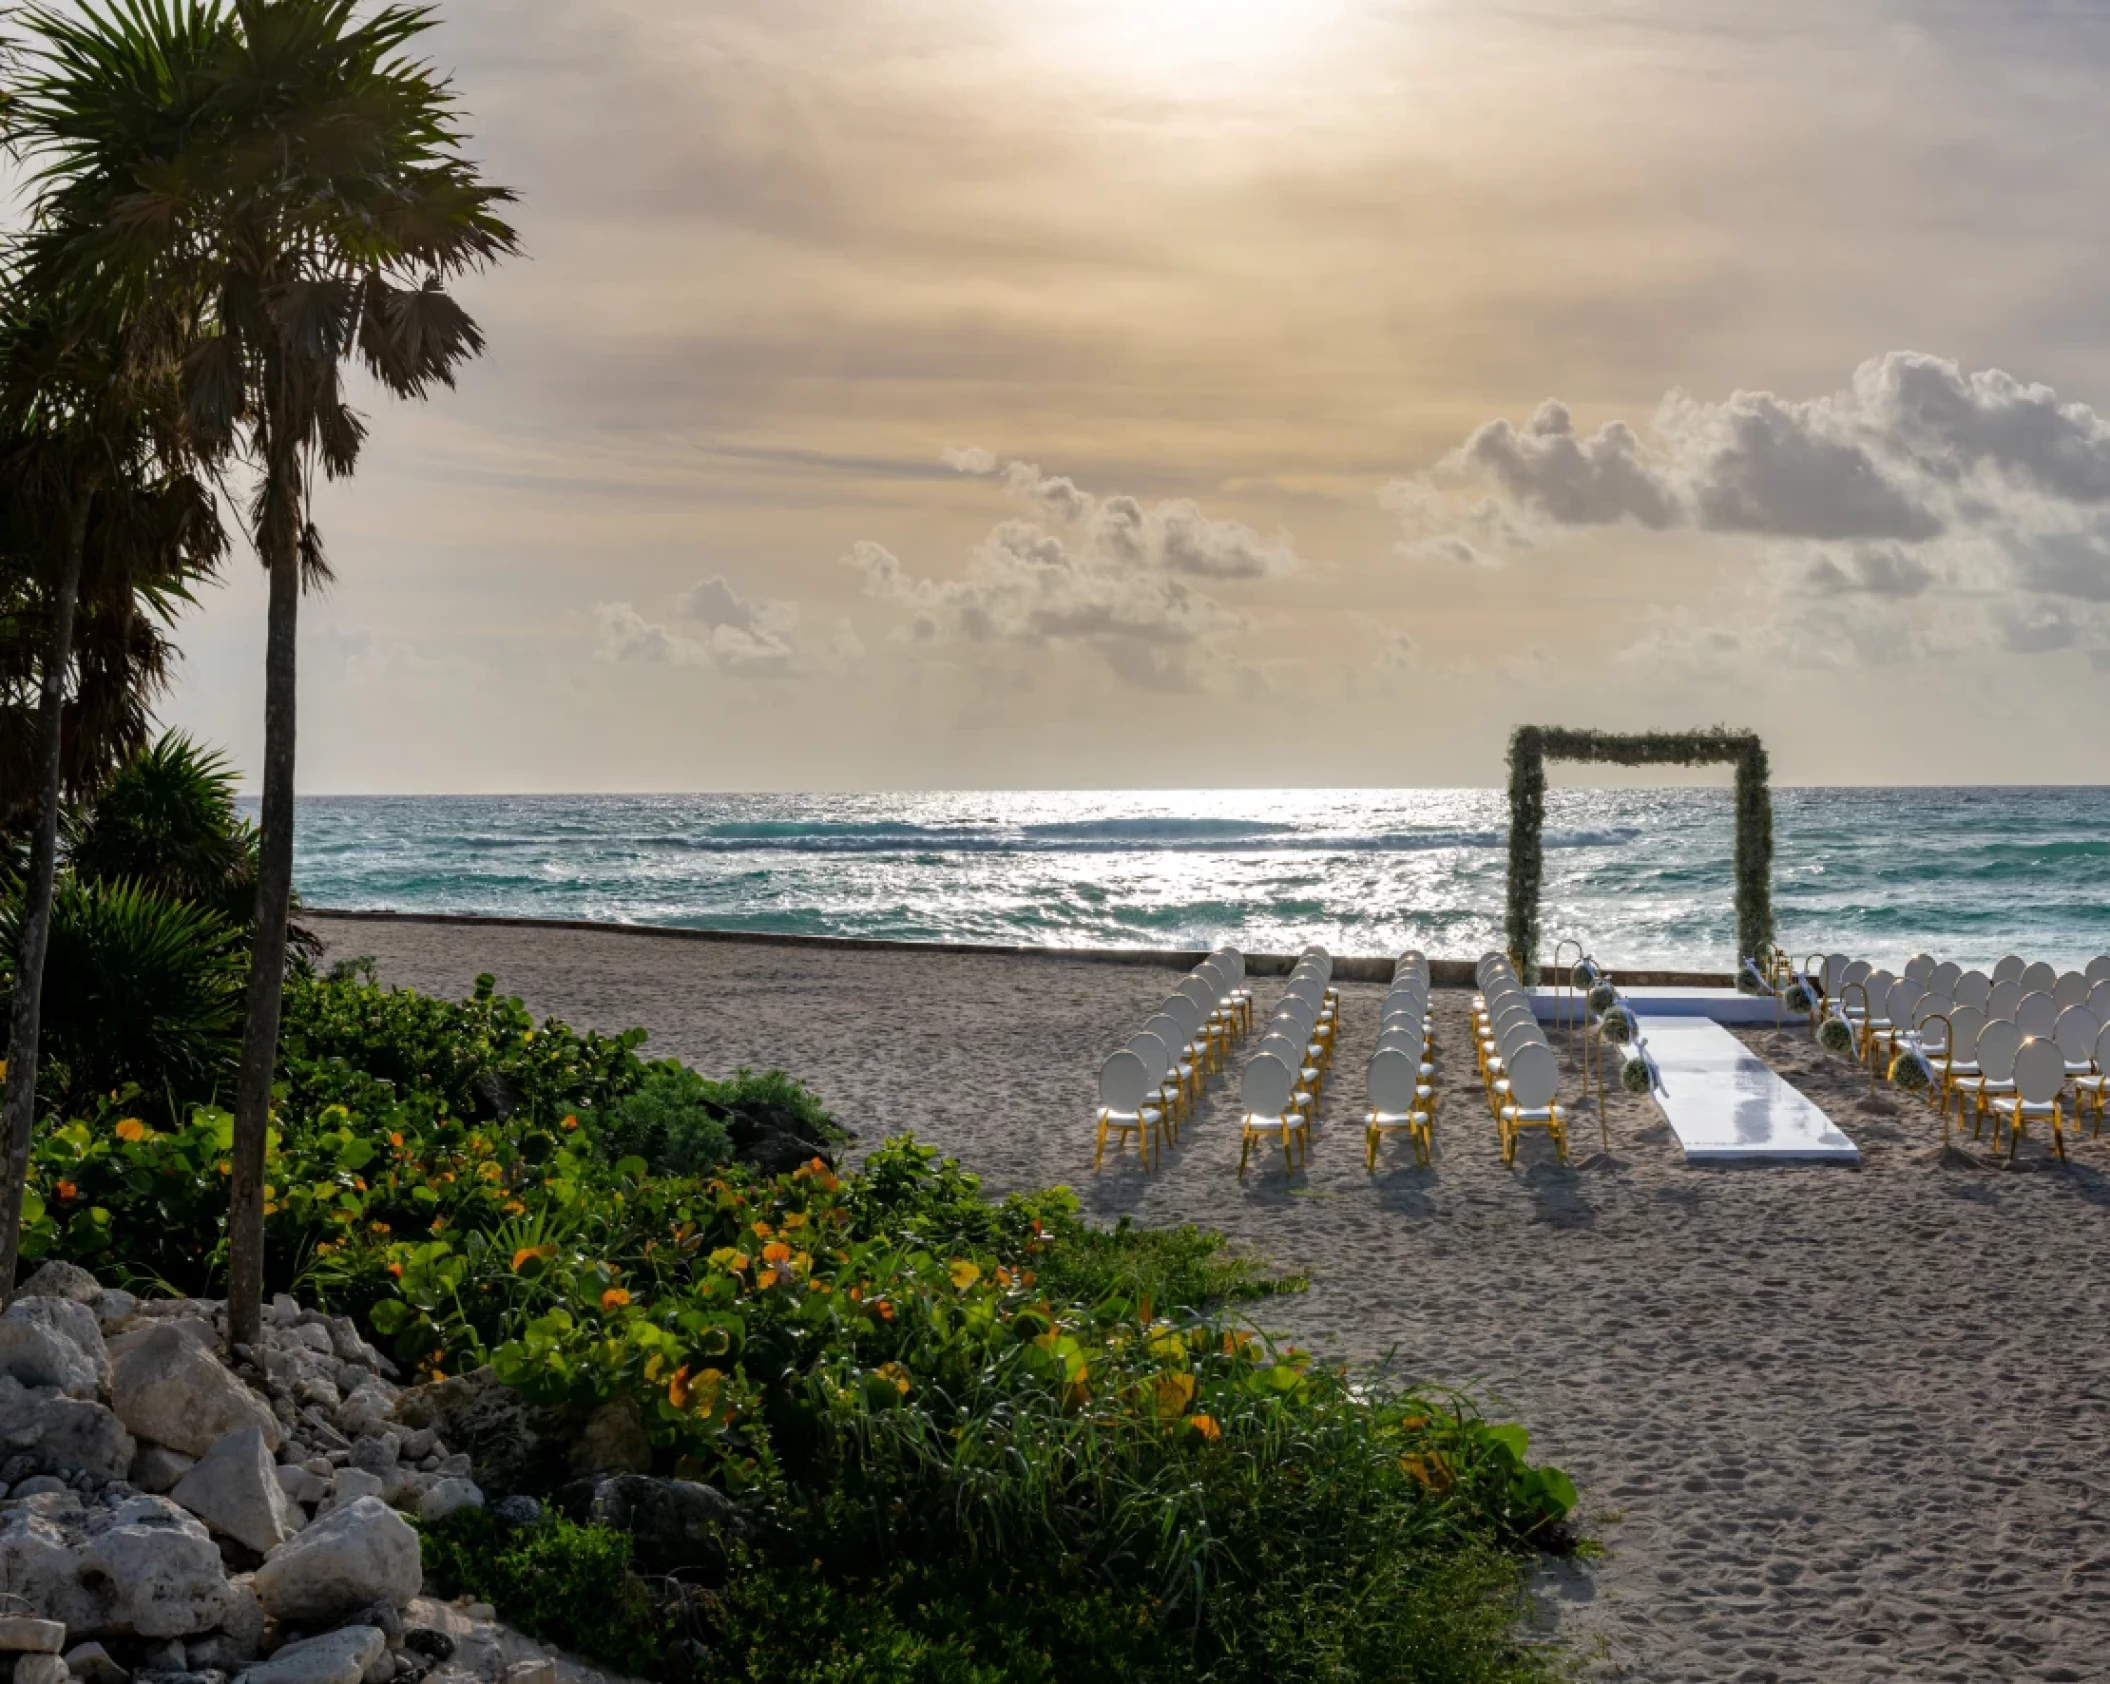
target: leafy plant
<point>1836,1035</point>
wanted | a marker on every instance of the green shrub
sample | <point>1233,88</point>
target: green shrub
<point>669,1119</point>
<point>139,989</point>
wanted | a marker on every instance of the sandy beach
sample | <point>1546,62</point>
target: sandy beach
<point>1830,1424</point>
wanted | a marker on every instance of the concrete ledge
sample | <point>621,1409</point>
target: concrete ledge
<point>1444,973</point>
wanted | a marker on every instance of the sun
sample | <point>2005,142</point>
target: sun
<point>1183,47</point>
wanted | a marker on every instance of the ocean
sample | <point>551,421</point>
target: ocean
<point>1641,876</point>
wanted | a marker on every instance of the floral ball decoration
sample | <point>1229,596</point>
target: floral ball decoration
<point>1911,1072</point>
<point>1836,1035</point>
<point>1618,1026</point>
<point>1584,976</point>
<point>1603,998</point>
<point>1798,998</point>
<point>1634,1076</point>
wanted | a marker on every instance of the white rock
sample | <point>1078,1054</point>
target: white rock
<point>62,1431</point>
<point>283,1310</point>
<point>316,1338</point>
<point>301,1485</point>
<point>358,1553</point>
<point>41,1669</point>
<point>540,1670</point>
<point>234,1489</point>
<point>169,1390</point>
<point>40,1565</point>
<point>91,1664</point>
<point>163,1570</point>
<point>354,1483</point>
<point>24,1633</point>
<point>156,1468</point>
<point>448,1497</point>
<point>58,1279</point>
<point>73,1322</point>
<point>336,1657</point>
<point>114,1310</point>
<point>36,1355</point>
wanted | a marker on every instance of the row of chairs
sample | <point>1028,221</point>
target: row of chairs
<point>2008,1043</point>
<point>1151,1086</point>
<point>1287,1073</point>
<point>1518,1068</point>
<point>1401,1081</point>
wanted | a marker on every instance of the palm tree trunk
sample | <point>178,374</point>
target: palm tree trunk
<point>274,894</point>
<point>26,1023</point>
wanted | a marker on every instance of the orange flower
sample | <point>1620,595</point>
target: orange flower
<point>894,1373</point>
<point>776,1252</point>
<point>571,1122</point>
<point>761,1230</point>
<point>527,1253</point>
<point>964,1274</point>
<point>396,1269</point>
<point>1206,1426</point>
<point>67,1190</point>
<point>132,1130</point>
<point>886,1310</point>
<point>395,1139</point>
<point>614,1298</point>
<point>678,1388</point>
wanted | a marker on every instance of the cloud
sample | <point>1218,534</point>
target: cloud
<point>1918,480</point>
<point>732,634</point>
<point>1111,574</point>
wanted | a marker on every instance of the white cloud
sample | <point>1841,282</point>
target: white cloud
<point>732,633</point>
<point>1105,573</point>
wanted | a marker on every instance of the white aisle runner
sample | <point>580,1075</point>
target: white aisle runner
<point>1726,1106</point>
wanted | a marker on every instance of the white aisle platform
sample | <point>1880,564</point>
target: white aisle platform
<point>1727,1106</point>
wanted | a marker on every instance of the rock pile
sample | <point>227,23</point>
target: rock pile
<point>164,1516</point>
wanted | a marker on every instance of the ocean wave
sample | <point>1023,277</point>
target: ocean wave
<point>1144,836</point>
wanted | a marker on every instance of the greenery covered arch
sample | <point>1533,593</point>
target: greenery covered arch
<point>1534,745</point>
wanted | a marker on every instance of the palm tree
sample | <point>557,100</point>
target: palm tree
<point>280,185</point>
<point>86,491</point>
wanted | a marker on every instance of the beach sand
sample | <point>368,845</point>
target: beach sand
<point>1830,1424</point>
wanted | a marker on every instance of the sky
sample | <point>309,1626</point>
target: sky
<point>1116,393</point>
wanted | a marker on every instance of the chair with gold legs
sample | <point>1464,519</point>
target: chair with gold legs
<point>1399,1100</point>
<point>1998,1043</point>
<point>1533,1079</point>
<point>1124,1108</point>
<point>2089,1087</point>
<point>2040,1083</point>
<point>1271,1112</point>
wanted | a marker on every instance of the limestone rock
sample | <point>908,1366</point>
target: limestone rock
<point>234,1489</point>
<point>355,1554</point>
<point>162,1570</point>
<point>302,1484</point>
<point>514,1443</point>
<point>40,1563</point>
<point>115,1310</point>
<point>24,1633</point>
<point>447,1497</point>
<point>58,1279</point>
<point>354,1483</point>
<point>41,1669</point>
<point>75,1323</point>
<point>337,1657</point>
<point>62,1431</point>
<point>614,1441</point>
<point>169,1390</point>
<point>36,1355</point>
<point>91,1664</point>
<point>157,1468</point>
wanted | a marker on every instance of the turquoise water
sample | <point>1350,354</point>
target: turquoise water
<point>1641,876</point>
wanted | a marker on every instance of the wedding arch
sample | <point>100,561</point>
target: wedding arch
<point>1534,745</point>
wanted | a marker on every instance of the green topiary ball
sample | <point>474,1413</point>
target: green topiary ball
<point>1836,1035</point>
<point>1634,1076</point>
<point>1911,1072</point>
<point>1798,998</point>
<point>1583,975</point>
<point>1603,997</point>
<point>1618,1026</point>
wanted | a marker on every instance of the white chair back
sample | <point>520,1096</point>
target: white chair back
<point>2040,1071</point>
<point>2070,990</point>
<point>2009,968</point>
<point>1266,1086</point>
<point>2036,1015</point>
<point>1902,1002</point>
<point>1964,1024</point>
<point>1157,1060</point>
<point>1172,1032</point>
<point>2039,978</point>
<point>1123,1081</point>
<point>1998,1043</point>
<point>2098,968</point>
<point>1392,1080</point>
<point>2099,1000</point>
<point>2076,1033</point>
<point>1534,1076</point>
<point>1945,977</point>
<point>2003,1000</point>
<point>1920,967</point>
<point>1972,988</point>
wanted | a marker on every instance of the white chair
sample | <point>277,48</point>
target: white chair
<point>2040,1081</point>
<point>2099,1000</point>
<point>2008,969</point>
<point>1919,968</point>
<point>2076,1032</point>
<point>2038,978</point>
<point>1945,978</point>
<point>1124,1087</point>
<point>1998,1043</point>
<point>1972,989</point>
<point>2003,1000</point>
<point>2070,990</point>
<point>1960,1067</point>
<point>1165,1081</point>
<point>2086,1088</point>
<point>2036,1015</point>
<point>1534,1085</point>
<point>1398,1100</point>
<point>2098,968</point>
<point>1268,1093</point>
<point>1179,1056</point>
